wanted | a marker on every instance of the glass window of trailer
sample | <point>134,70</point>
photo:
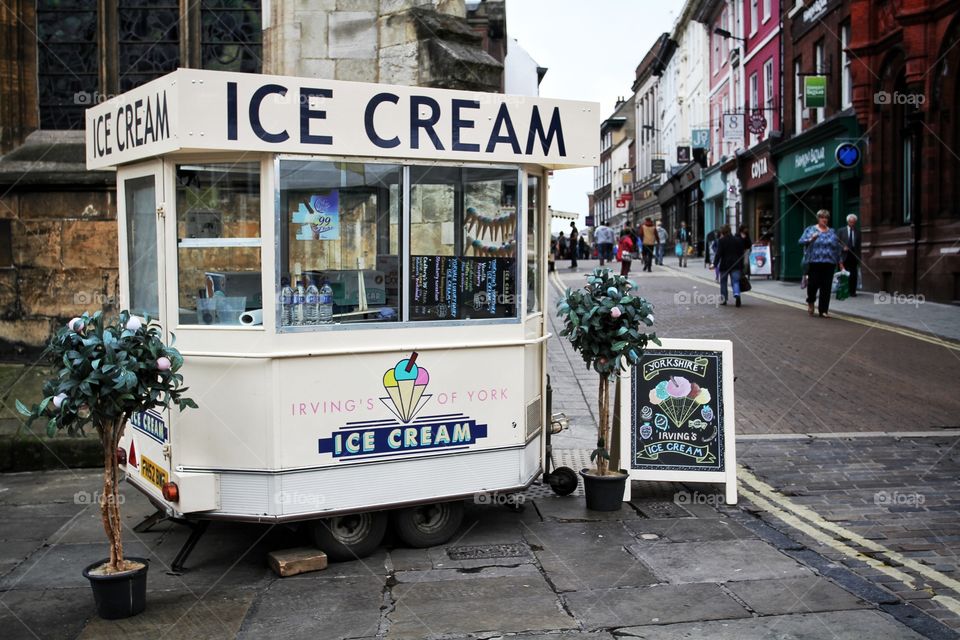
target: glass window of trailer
<point>218,242</point>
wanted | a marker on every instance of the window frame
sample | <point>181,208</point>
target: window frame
<point>404,321</point>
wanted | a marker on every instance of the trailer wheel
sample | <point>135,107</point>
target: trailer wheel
<point>563,481</point>
<point>349,537</point>
<point>428,525</point>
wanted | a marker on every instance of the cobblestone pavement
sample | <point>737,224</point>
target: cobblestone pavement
<point>794,374</point>
<point>552,571</point>
<point>885,506</point>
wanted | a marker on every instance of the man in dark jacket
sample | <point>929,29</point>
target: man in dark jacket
<point>850,239</point>
<point>729,261</point>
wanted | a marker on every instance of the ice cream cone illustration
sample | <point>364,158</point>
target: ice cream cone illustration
<point>405,384</point>
<point>678,398</point>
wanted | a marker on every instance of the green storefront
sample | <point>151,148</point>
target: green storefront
<point>809,179</point>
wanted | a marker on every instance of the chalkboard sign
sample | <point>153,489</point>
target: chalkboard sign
<point>677,411</point>
<point>461,288</point>
<point>677,421</point>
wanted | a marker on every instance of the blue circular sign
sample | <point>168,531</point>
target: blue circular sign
<point>848,155</point>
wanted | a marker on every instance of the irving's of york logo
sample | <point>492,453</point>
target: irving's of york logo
<point>405,384</point>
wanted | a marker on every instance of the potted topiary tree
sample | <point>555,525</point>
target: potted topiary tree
<point>603,322</point>
<point>109,371</point>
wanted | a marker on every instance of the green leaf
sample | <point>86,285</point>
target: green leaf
<point>52,427</point>
<point>22,408</point>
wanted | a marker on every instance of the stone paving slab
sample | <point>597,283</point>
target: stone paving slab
<point>425,610</point>
<point>689,529</point>
<point>794,595</point>
<point>717,561</point>
<point>660,604</point>
<point>577,556</point>
<point>48,614</point>
<point>316,607</point>
<point>178,615</point>
<point>842,625</point>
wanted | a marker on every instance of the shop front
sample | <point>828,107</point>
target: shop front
<point>681,201</point>
<point>757,173</point>
<point>714,196</point>
<point>810,178</point>
<point>646,204</point>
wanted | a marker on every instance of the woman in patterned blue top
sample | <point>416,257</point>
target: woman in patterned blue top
<point>822,251</point>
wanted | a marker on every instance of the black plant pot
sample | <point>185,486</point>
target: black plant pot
<point>603,493</point>
<point>119,595</point>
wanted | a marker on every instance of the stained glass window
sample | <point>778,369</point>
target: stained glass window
<point>148,40</point>
<point>66,61</point>
<point>230,35</point>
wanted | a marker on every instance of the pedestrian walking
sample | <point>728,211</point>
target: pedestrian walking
<point>604,237</point>
<point>822,251</point>
<point>584,249</point>
<point>729,262</point>
<point>625,250</point>
<point>850,240</point>
<point>683,243</point>
<point>661,242</point>
<point>649,239</point>
<point>710,249</point>
<point>574,244</point>
<point>744,235</point>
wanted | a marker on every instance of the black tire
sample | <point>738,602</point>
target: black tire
<point>563,481</point>
<point>351,536</point>
<point>428,525</point>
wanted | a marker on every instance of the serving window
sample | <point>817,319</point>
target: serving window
<point>218,243</point>
<point>441,248</point>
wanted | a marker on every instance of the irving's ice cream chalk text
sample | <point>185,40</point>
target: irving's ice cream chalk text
<point>351,405</point>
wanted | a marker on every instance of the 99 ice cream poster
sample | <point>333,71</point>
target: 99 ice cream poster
<point>677,416</point>
<point>318,217</point>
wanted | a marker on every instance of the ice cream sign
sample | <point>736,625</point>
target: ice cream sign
<point>407,432</point>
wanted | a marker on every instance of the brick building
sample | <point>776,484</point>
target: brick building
<point>906,89</point>
<point>815,38</point>
<point>58,232</point>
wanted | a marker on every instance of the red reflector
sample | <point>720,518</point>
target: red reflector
<point>121,457</point>
<point>171,492</point>
<point>133,454</point>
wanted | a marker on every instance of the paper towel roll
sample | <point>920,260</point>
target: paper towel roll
<point>251,318</point>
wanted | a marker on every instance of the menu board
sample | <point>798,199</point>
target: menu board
<point>678,411</point>
<point>461,288</point>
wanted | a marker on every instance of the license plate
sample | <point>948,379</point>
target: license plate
<point>152,472</point>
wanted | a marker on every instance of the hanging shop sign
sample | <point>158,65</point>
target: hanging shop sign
<point>198,110</point>
<point>847,155</point>
<point>700,138</point>
<point>683,155</point>
<point>733,124</point>
<point>814,92</point>
<point>757,124</point>
<point>658,166</point>
<point>681,415</point>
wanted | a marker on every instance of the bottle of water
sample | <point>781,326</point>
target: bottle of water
<point>311,306</point>
<point>286,303</point>
<point>325,310</point>
<point>298,299</point>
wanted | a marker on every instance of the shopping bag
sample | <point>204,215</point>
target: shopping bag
<point>745,284</point>
<point>678,249</point>
<point>841,285</point>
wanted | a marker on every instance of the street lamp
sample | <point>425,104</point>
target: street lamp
<point>723,33</point>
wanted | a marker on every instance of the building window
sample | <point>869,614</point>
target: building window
<point>67,54</point>
<point>6,244</point>
<point>906,180</point>
<point>754,91</point>
<point>766,10</point>
<point>797,96</point>
<point>846,89</point>
<point>817,114</point>
<point>754,18</point>
<point>145,41</point>
<point>768,94</point>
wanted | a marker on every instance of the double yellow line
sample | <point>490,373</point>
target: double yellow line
<point>832,535</point>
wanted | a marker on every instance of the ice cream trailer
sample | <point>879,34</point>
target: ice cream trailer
<point>355,276</point>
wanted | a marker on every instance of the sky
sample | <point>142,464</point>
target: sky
<point>591,49</point>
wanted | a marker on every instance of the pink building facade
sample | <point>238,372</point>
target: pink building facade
<point>761,67</point>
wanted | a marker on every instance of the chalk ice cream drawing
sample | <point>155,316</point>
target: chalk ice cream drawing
<point>678,398</point>
<point>405,384</point>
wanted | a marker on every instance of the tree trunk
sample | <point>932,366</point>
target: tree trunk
<point>603,430</point>
<point>110,497</point>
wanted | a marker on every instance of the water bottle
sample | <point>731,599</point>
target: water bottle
<point>325,310</point>
<point>298,300</point>
<point>286,303</point>
<point>311,307</point>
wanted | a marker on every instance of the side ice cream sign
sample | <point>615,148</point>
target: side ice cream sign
<point>407,432</point>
